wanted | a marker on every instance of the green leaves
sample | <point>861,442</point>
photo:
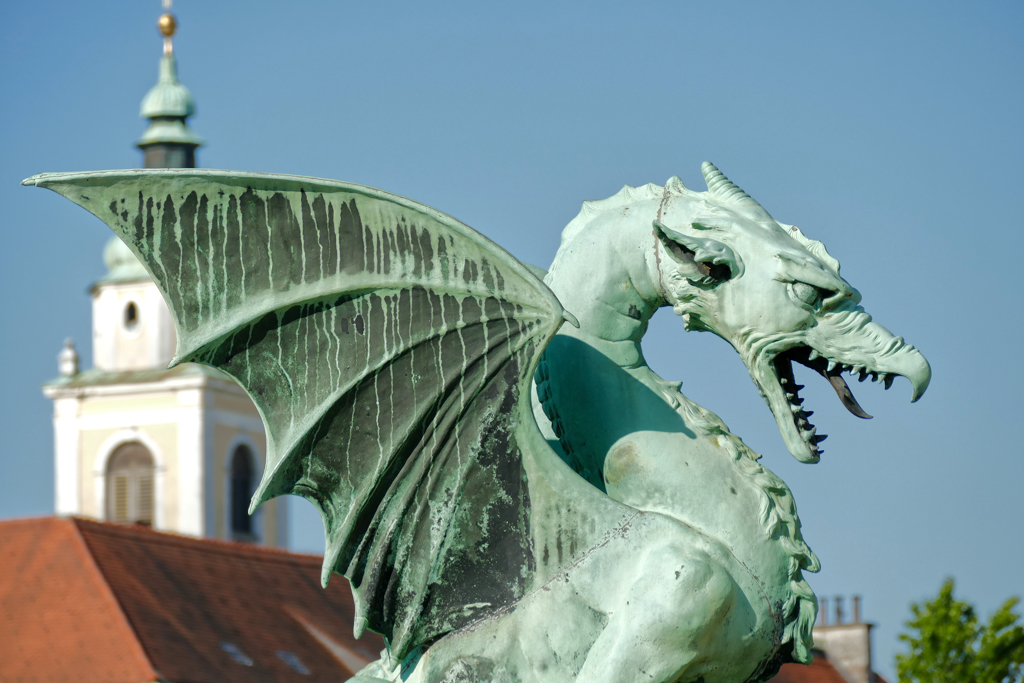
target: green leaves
<point>949,644</point>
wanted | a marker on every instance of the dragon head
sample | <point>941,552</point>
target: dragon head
<point>776,296</point>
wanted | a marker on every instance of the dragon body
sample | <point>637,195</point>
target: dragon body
<point>513,499</point>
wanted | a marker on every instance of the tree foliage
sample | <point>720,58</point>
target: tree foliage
<point>948,643</point>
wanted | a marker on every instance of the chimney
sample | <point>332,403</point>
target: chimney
<point>847,645</point>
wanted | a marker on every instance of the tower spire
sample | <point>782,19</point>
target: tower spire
<point>168,141</point>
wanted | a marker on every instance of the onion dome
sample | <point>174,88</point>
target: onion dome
<point>168,97</point>
<point>122,265</point>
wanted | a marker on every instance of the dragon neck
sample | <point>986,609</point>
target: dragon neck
<point>618,295</point>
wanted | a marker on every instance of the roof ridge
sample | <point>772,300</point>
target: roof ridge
<point>210,544</point>
<point>90,561</point>
<point>33,519</point>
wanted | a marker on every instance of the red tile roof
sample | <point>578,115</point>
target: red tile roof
<point>58,617</point>
<point>818,671</point>
<point>86,601</point>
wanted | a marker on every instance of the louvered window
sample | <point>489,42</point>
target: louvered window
<point>241,493</point>
<point>130,496</point>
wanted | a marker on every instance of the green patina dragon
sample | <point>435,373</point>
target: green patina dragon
<point>513,500</point>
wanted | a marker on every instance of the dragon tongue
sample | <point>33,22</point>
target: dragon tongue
<point>834,376</point>
<point>846,396</point>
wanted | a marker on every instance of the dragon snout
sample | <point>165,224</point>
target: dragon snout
<point>852,340</point>
<point>908,361</point>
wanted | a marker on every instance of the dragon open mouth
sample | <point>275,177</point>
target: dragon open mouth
<point>831,370</point>
<point>874,353</point>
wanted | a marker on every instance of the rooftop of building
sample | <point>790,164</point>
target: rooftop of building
<point>821,670</point>
<point>92,601</point>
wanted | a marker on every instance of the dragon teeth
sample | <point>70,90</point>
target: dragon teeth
<point>808,435</point>
<point>813,355</point>
<point>831,365</point>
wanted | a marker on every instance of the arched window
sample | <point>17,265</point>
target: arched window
<point>241,492</point>
<point>131,316</point>
<point>130,485</point>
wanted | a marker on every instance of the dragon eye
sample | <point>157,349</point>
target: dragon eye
<point>806,293</point>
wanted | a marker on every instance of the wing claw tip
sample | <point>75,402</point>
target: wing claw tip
<point>358,626</point>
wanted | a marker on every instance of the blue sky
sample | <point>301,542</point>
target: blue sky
<point>891,132</point>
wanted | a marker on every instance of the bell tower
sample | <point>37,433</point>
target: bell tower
<point>180,449</point>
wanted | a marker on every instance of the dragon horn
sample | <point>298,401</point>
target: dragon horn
<point>724,189</point>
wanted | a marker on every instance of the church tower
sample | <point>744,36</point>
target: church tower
<point>182,449</point>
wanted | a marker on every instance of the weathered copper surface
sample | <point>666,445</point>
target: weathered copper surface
<point>605,528</point>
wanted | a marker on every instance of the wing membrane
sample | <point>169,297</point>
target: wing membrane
<point>388,348</point>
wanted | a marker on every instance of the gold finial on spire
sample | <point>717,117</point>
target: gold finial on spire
<point>167,25</point>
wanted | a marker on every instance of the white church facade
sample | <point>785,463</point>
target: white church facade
<point>183,449</point>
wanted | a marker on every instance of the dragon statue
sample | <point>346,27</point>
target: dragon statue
<point>513,499</point>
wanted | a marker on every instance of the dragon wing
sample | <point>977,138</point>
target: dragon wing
<point>389,349</point>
